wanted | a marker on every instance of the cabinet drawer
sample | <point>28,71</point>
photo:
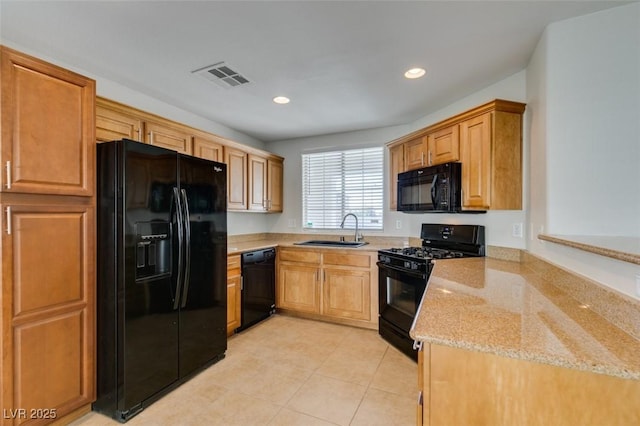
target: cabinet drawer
<point>299,256</point>
<point>341,259</point>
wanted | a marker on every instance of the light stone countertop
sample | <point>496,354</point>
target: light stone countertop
<point>506,308</point>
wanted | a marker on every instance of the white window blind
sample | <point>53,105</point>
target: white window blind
<point>339,182</point>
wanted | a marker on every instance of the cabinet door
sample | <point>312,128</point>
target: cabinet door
<point>207,149</point>
<point>234,284</point>
<point>112,125</point>
<point>48,317</point>
<point>443,146</point>
<point>48,128</point>
<point>257,183</point>
<point>475,153</point>
<point>236,179</point>
<point>346,293</point>
<point>396,164</point>
<point>274,185</point>
<point>298,288</point>
<point>167,136</point>
<point>414,152</point>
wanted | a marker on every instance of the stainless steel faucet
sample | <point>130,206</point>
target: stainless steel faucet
<point>355,237</point>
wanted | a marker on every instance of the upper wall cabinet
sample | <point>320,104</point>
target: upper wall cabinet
<point>113,124</point>
<point>254,177</point>
<point>48,128</point>
<point>161,133</point>
<point>487,140</point>
<point>208,149</point>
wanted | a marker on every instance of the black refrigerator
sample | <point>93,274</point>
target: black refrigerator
<point>162,275</point>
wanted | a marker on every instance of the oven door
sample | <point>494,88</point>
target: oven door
<point>400,292</point>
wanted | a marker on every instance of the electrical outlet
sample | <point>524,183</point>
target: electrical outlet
<point>517,230</point>
<point>292,223</point>
<point>398,224</point>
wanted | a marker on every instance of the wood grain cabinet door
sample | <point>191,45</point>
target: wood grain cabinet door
<point>236,179</point>
<point>257,183</point>
<point>346,293</point>
<point>414,153</point>
<point>298,288</point>
<point>443,146</point>
<point>475,154</point>
<point>207,149</point>
<point>48,313</point>
<point>48,128</point>
<point>112,125</point>
<point>275,175</point>
<point>175,138</point>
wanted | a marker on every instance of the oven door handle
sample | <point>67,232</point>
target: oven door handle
<point>382,265</point>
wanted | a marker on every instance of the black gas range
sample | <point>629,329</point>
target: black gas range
<point>404,272</point>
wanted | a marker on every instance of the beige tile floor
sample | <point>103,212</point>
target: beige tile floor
<point>291,371</point>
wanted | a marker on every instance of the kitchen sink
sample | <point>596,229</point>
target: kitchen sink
<point>332,243</point>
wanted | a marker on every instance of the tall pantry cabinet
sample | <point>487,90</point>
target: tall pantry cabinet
<point>47,194</point>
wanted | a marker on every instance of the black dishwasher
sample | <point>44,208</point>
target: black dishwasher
<point>258,287</point>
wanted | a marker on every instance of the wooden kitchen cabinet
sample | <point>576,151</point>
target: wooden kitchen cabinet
<point>486,140</point>
<point>265,183</point>
<point>254,177</point>
<point>331,285</point>
<point>466,387</point>
<point>298,286</point>
<point>443,146</point>
<point>396,165</point>
<point>234,291</point>
<point>414,154</point>
<point>236,160</point>
<point>491,156</point>
<point>47,142</point>
<point>163,134</point>
<point>257,168</point>
<point>208,149</point>
<point>113,123</point>
<point>275,176</point>
<point>48,250</point>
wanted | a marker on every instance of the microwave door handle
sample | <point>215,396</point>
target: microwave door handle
<point>434,190</point>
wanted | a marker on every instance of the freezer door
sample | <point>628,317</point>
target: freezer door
<point>203,303</point>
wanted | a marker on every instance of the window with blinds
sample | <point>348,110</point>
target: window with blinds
<point>339,182</point>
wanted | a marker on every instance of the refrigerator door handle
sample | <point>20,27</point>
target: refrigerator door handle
<point>187,233</point>
<point>179,217</point>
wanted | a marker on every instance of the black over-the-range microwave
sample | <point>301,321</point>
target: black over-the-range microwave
<point>436,189</point>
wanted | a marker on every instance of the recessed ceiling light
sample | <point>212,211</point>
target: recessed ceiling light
<point>415,73</point>
<point>281,100</point>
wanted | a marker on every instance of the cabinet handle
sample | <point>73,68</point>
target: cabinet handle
<point>241,283</point>
<point>150,134</point>
<point>8,167</point>
<point>430,162</point>
<point>8,209</point>
<point>417,345</point>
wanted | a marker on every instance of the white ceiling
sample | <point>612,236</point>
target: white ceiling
<point>340,62</point>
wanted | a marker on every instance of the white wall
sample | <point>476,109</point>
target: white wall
<point>498,223</point>
<point>583,91</point>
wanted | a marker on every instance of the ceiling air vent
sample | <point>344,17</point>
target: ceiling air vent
<point>222,74</point>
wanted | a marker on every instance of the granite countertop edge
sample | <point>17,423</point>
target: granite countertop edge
<point>420,332</point>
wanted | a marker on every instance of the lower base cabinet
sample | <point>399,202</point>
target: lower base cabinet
<point>333,285</point>
<point>462,387</point>
<point>234,291</point>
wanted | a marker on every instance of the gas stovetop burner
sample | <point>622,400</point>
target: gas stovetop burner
<point>426,253</point>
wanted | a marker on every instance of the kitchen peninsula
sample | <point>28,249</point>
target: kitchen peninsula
<point>508,342</point>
